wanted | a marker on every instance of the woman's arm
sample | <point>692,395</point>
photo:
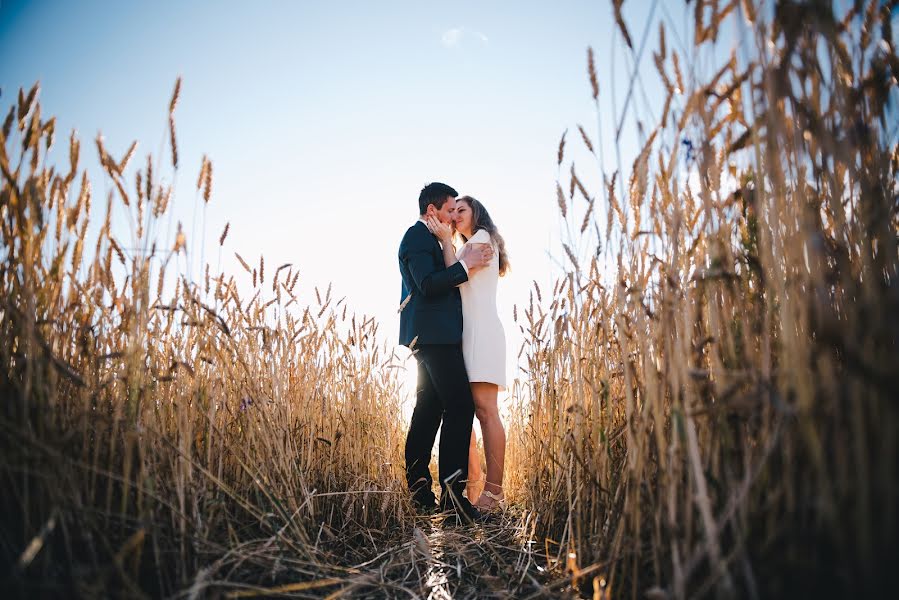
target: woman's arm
<point>449,254</point>
<point>445,234</point>
<point>416,253</point>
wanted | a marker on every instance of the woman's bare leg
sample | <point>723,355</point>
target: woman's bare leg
<point>487,412</point>
<point>473,486</point>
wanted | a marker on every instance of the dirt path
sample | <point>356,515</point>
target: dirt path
<point>435,561</point>
<point>498,559</point>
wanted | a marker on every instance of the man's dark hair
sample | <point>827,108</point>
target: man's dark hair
<point>436,194</point>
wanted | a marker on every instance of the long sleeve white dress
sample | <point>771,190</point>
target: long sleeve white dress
<point>483,338</point>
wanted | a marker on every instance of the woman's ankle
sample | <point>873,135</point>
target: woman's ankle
<point>493,488</point>
<point>490,501</point>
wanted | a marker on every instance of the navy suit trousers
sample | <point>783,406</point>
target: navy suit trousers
<point>443,400</point>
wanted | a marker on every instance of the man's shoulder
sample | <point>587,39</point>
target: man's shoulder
<point>415,228</point>
<point>416,232</point>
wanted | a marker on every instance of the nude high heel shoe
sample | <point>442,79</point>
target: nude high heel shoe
<point>497,501</point>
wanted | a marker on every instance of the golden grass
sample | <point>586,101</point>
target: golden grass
<point>198,442</point>
<point>146,436</point>
<point>718,417</point>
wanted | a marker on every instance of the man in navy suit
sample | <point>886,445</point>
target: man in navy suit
<point>431,324</point>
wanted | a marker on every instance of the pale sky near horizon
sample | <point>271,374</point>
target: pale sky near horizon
<point>325,119</point>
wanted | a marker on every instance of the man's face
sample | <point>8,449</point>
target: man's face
<point>444,214</point>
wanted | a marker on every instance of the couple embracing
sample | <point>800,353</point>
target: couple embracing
<point>449,319</point>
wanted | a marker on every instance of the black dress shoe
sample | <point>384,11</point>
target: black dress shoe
<point>459,511</point>
<point>424,502</point>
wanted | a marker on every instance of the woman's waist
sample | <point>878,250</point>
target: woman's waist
<point>481,321</point>
<point>482,294</point>
<point>480,306</point>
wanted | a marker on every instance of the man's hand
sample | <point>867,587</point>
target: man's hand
<point>476,256</point>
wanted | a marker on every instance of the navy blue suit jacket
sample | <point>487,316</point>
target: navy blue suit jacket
<point>433,313</point>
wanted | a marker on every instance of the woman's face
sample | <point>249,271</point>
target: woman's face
<point>462,218</point>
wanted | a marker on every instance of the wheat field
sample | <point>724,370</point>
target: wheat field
<point>718,419</point>
<point>715,419</point>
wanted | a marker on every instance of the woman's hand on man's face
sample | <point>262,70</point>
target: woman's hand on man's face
<point>443,231</point>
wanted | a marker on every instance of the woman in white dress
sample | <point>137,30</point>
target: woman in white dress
<point>483,341</point>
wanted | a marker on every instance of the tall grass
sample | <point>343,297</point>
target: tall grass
<point>154,442</point>
<point>719,418</point>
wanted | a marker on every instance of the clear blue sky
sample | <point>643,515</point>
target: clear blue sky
<point>324,119</point>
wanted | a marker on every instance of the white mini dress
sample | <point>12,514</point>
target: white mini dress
<point>483,338</point>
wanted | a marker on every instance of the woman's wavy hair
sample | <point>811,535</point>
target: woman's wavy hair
<point>480,219</point>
